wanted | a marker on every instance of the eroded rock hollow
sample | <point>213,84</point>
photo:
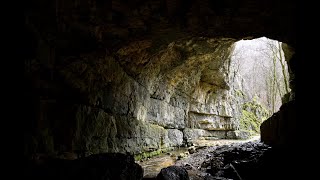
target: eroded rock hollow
<point>139,76</point>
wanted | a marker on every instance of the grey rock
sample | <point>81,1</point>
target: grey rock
<point>238,134</point>
<point>173,173</point>
<point>175,136</point>
<point>194,134</point>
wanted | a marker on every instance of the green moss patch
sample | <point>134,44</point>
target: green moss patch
<point>150,154</point>
<point>253,114</point>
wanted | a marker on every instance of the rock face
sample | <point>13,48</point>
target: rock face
<point>250,160</point>
<point>277,130</point>
<point>136,77</point>
<point>118,112</point>
<point>173,173</point>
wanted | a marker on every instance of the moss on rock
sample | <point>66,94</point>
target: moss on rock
<point>150,154</point>
<point>253,114</point>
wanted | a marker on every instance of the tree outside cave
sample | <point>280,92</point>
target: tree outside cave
<point>261,66</point>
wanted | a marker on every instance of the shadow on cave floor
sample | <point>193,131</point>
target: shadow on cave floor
<point>192,155</point>
<point>249,160</point>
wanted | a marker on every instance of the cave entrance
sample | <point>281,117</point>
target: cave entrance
<point>260,69</point>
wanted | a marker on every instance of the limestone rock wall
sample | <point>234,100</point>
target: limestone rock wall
<point>131,77</point>
<point>109,110</point>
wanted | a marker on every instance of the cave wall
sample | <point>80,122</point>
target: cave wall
<point>136,76</point>
<point>184,86</point>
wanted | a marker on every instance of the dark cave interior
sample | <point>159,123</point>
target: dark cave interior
<point>105,80</point>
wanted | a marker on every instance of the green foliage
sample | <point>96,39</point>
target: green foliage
<point>249,122</point>
<point>146,155</point>
<point>239,93</point>
<point>150,154</point>
<point>253,114</point>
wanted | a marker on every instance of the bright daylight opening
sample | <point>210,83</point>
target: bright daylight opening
<point>260,70</point>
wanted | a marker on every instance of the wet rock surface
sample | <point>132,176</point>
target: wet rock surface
<point>239,161</point>
<point>173,173</point>
<point>231,161</point>
<point>152,166</point>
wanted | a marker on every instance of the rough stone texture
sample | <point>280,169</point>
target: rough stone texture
<point>107,78</point>
<point>166,115</point>
<point>209,121</point>
<point>175,136</point>
<point>238,134</point>
<point>277,130</point>
<point>118,113</point>
<point>194,134</point>
<point>248,160</point>
<point>173,173</point>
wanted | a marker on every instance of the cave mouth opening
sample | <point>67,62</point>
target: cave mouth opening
<point>260,69</point>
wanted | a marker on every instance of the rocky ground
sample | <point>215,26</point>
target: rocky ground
<point>238,161</point>
<point>225,160</point>
<point>230,161</point>
<point>206,157</point>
